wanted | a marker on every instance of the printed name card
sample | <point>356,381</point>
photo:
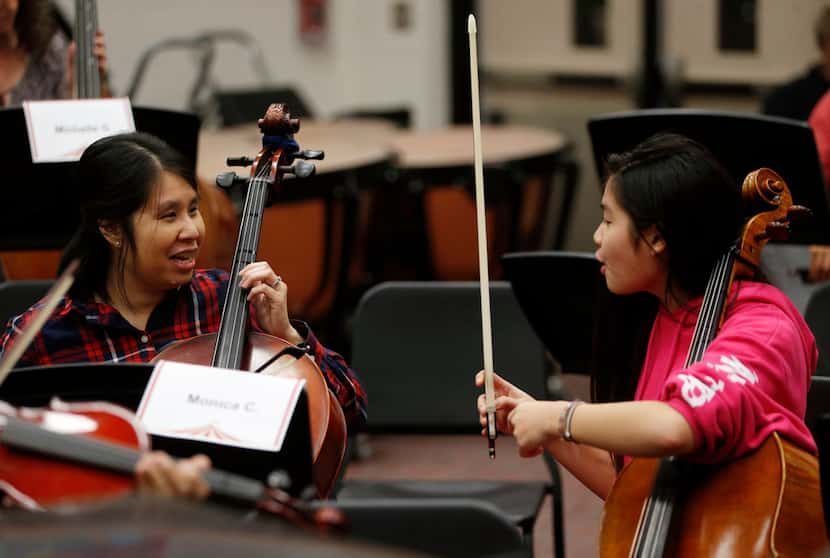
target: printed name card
<point>60,130</point>
<point>219,405</point>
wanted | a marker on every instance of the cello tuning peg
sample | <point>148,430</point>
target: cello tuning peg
<point>777,231</point>
<point>239,161</point>
<point>315,154</point>
<point>228,179</point>
<point>799,213</point>
<point>300,169</point>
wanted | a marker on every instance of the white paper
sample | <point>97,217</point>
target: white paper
<point>218,405</point>
<point>59,131</point>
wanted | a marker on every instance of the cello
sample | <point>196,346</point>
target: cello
<point>233,346</point>
<point>767,503</point>
<point>88,82</point>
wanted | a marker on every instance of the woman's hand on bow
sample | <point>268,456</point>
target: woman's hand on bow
<point>506,395</point>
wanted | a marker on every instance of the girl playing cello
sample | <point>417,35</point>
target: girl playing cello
<point>670,211</point>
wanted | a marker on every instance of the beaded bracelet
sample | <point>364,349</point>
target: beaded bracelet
<point>565,420</point>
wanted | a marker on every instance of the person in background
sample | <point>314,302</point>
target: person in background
<point>797,98</point>
<point>37,62</point>
<point>819,121</point>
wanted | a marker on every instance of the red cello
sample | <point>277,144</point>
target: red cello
<point>237,348</point>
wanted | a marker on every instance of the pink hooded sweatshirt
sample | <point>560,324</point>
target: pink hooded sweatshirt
<point>752,380</point>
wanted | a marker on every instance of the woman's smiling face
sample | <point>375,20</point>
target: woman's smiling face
<point>168,231</point>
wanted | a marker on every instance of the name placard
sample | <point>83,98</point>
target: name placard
<point>59,131</point>
<point>219,405</point>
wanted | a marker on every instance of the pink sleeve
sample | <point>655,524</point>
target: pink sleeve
<point>820,123</point>
<point>752,381</point>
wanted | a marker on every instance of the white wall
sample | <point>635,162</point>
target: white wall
<point>786,43</point>
<point>535,36</point>
<point>363,60</point>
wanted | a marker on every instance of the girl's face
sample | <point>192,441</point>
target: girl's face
<point>631,263</point>
<point>168,232</point>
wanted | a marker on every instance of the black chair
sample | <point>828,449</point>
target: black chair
<point>451,527</point>
<point>742,142</point>
<point>17,296</point>
<point>410,337</point>
<point>817,316</point>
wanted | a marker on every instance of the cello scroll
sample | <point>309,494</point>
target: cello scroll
<point>767,195</point>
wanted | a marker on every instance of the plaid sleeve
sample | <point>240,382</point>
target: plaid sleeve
<point>341,379</point>
<point>14,328</point>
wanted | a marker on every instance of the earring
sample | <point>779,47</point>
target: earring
<point>118,244</point>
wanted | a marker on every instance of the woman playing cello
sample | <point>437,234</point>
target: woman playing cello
<point>137,289</point>
<point>670,211</point>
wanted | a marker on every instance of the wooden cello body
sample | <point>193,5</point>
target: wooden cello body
<point>774,491</point>
<point>233,346</point>
<point>326,419</point>
<point>765,503</point>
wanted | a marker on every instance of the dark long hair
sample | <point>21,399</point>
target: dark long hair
<point>34,24</point>
<point>116,176</point>
<point>677,185</point>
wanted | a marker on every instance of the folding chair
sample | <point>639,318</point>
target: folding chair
<point>17,296</point>
<point>425,337</point>
<point>451,527</point>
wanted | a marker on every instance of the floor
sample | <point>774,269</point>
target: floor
<point>433,457</point>
<point>465,457</point>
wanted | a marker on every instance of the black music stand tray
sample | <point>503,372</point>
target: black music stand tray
<point>742,142</point>
<point>123,384</point>
<point>38,208</point>
<point>556,291</point>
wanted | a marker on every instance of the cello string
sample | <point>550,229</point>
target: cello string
<point>709,310</point>
<point>236,312</point>
<point>708,318</point>
<point>226,347</point>
<point>695,344</point>
<point>713,317</point>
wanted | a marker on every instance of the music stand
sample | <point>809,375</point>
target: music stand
<point>742,142</point>
<point>123,384</point>
<point>556,291</point>
<point>38,206</point>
